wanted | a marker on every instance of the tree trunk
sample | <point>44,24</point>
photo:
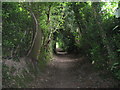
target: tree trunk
<point>35,47</point>
<point>77,16</point>
<point>35,51</point>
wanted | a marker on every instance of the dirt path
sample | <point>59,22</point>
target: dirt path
<point>68,71</point>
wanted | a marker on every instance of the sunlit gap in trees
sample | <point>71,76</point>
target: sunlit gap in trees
<point>57,45</point>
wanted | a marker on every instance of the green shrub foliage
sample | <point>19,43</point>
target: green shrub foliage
<point>87,28</point>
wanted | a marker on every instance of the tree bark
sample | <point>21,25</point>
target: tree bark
<point>35,47</point>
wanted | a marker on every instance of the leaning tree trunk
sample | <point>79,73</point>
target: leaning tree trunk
<point>35,47</point>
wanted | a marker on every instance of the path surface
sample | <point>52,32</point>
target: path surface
<point>68,71</point>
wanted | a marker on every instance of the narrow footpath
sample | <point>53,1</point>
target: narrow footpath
<point>69,71</point>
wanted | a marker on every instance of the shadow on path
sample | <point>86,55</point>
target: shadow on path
<point>69,71</point>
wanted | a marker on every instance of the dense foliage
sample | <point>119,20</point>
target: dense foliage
<point>91,29</point>
<point>87,28</point>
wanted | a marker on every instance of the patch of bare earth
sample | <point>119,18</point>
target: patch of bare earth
<point>68,71</point>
